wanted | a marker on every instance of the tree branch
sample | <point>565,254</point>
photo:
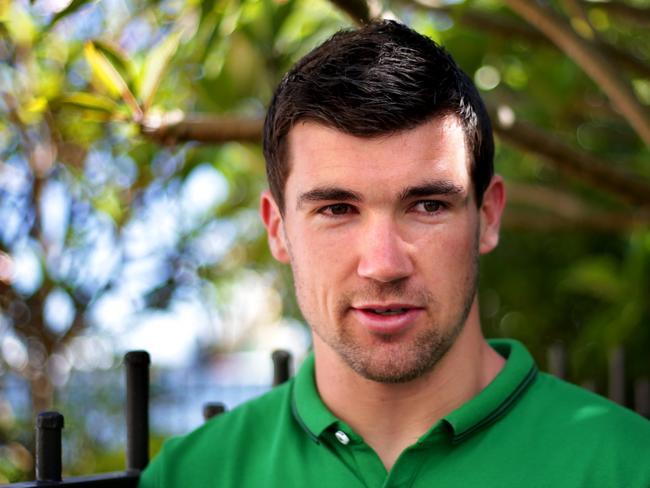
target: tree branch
<point>637,15</point>
<point>507,28</point>
<point>204,128</point>
<point>582,165</point>
<point>13,305</point>
<point>570,208</point>
<point>76,327</point>
<point>533,220</point>
<point>561,203</point>
<point>483,21</point>
<point>357,10</point>
<point>590,60</point>
<point>624,59</point>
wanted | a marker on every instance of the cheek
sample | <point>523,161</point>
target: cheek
<point>315,266</point>
<point>324,251</point>
<point>449,253</point>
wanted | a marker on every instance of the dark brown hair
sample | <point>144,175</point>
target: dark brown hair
<point>380,79</point>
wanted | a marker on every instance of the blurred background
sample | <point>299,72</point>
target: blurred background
<point>130,169</point>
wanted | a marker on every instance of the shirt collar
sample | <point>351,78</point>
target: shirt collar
<point>497,397</point>
<point>306,404</point>
<point>490,404</point>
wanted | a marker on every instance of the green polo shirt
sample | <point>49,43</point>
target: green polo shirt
<point>525,428</point>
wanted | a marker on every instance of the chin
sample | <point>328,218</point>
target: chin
<point>404,357</point>
<point>396,359</point>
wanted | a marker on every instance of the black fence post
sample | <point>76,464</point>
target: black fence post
<point>137,409</point>
<point>213,409</point>
<point>590,385</point>
<point>642,396</point>
<point>281,366</point>
<point>616,390</point>
<point>557,361</point>
<point>48,446</point>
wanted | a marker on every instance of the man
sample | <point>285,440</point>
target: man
<point>382,197</point>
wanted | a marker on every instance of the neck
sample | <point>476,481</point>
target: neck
<point>390,417</point>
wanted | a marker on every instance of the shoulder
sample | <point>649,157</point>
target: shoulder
<point>568,424</point>
<point>251,427</point>
<point>570,405</point>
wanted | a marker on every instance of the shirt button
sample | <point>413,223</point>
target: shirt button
<point>342,437</point>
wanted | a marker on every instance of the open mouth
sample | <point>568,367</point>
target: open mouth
<point>390,319</point>
<point>386,311</point>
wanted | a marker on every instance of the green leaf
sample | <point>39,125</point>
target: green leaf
<point>89,101</point>
<point>154,67</point>
<point>212,20</point>
<point>18,25</point>
<point>280,14</point>
<point>110,79</point>
<point>109,203</point>
<point>207,7</point>
<point>597,276</point>
<point>72,7</point>
<point>118,59</point>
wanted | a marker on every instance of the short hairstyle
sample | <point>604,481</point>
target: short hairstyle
<point>380,79</point>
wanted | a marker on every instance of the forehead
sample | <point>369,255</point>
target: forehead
<point>320,155</point>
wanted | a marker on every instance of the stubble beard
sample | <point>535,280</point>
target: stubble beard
<point>396,360</point>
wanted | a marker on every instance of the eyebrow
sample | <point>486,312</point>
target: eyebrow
<point>327,193</point>
<point>430,188</point>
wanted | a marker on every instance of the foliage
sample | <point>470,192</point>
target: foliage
<point>130,166</point>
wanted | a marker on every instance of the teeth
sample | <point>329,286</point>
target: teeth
<point>388,311</point>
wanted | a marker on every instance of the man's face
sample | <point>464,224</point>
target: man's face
<point>383,237</point>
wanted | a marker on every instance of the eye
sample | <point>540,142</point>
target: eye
<point>429,206</point>
<point>336,209</point>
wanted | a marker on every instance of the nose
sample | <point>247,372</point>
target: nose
<point>384,255</point>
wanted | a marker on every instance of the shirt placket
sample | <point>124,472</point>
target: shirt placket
<point>405,471</point>
<point>358,457</point>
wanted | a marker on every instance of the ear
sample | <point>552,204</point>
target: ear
<point>272,218</point>
<point>494,200</point>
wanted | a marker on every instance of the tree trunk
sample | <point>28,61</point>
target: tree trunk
<point>42,393</point>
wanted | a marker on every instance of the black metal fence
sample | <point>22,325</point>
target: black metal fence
<point>49,425</point>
